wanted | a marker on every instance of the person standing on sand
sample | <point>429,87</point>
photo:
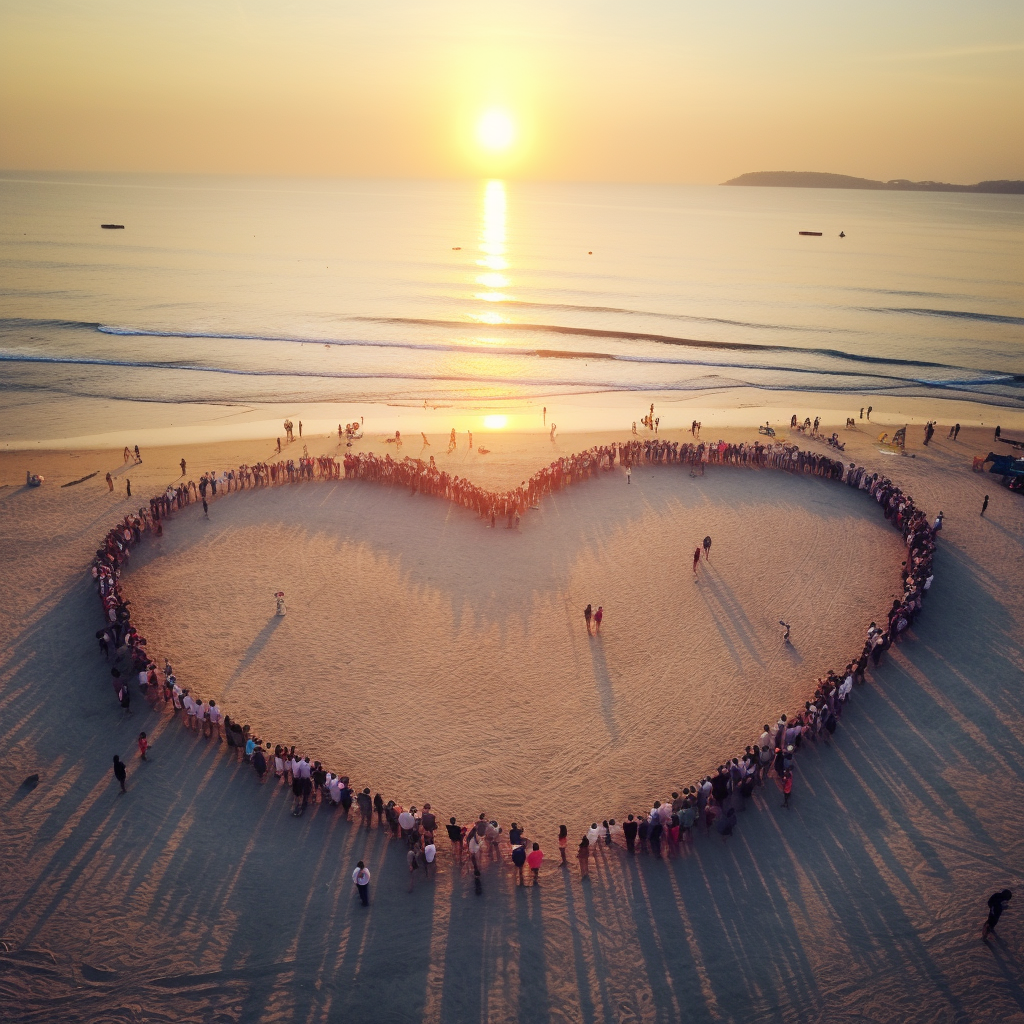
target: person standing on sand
<point>128,486</point>
<point>519,861</point>
<point>696,559</point>
<point>787,786</point>
<point>996,905</point>
<point>984,505</point>
<point>533,859</point>
<point>587,613</point>
<point>628,480</point>
<point>361,880</point>
<point>120,773</point>
<point>545,415</point>
<point>956,431</point>
<point>138,455</point>
<point>279,445</point>
<point>182,464</point>
<point>707,548</point>
<point>598,616</point>
<point>206,509</point>
<point>862,412</point>
<point>583,856</point>
<point>110,482</point>
<point>300,428</point>
<point>128,454</point>
<point>869,411</point>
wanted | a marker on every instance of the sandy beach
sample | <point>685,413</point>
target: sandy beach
<point>435,659</point>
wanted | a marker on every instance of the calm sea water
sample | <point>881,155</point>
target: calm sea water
<point>250,290</point>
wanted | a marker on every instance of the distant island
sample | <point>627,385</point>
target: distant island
<point>819,179</point>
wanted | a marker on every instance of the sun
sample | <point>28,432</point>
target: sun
<point>495,131</point>
<point>495,422</point>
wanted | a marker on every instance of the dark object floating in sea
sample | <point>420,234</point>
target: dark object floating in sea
<point>842,234</point>
<point>818,233</point>
<point>113,227</point>
<point>31,782</point>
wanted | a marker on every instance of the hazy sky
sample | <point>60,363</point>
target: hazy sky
<point>632,90</point>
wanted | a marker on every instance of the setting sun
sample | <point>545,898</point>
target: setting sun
<point>495,422</point>
<point>495,131</point>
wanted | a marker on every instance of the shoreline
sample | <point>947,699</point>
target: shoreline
<point>159,424</point>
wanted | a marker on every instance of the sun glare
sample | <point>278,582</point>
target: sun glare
<point>495,422</point>
<point>495,131</point>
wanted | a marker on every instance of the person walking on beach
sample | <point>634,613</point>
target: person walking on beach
<point>628,480</point>
<point>996,905</point>
<point>182,464</point>
<point>361,880</point>
<point>956,431</point>
<point>869,411</point>
<point>696,559</point>
<point>128,486</point>
<point>787,786</point>
<point>138,455</point>
<point>707,548</point>
<point>110,482</point>
<point>120,773</point>
<point>143,745</point>
<point>598,616</point>
<point>128,454</point>
<point>984,505</point>
<point>206,509</point>
<point>300,428</point>
<point>587,613</point>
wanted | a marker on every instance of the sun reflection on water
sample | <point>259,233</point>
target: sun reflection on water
<point>492,242</point>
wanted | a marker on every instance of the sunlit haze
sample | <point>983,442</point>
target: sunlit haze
<point>660,91</point>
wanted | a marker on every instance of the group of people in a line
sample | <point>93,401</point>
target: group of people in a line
<point>711,802</point>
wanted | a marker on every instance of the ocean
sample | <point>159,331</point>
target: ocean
<point>245,291</point>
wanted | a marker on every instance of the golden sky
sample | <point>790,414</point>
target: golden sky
<point>632,90</point>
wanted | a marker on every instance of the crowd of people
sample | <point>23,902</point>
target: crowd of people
<point>708,804</point>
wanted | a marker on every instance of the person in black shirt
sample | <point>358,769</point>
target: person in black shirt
<point>996,905</point>
<point>629,829</point>
<point>519,859</point>
<point>454,836</point>
<point>121,774</point>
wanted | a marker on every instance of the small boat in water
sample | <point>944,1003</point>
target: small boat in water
<point>113,227</point>
<point>817,233</point>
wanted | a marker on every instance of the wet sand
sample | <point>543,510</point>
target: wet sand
<point>197,896</point>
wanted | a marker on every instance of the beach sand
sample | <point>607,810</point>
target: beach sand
<point>439,660</point>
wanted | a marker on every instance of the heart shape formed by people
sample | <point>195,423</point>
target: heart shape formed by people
<point>433,659</point>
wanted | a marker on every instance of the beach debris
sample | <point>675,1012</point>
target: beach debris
<point>112,227</point>
<point>80,480</point>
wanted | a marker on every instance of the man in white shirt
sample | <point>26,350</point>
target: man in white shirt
<point>361,880</point>
<point>429,853</point>
<point>215,719</point>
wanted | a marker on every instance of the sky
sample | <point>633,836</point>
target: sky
<point>594,90</point>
